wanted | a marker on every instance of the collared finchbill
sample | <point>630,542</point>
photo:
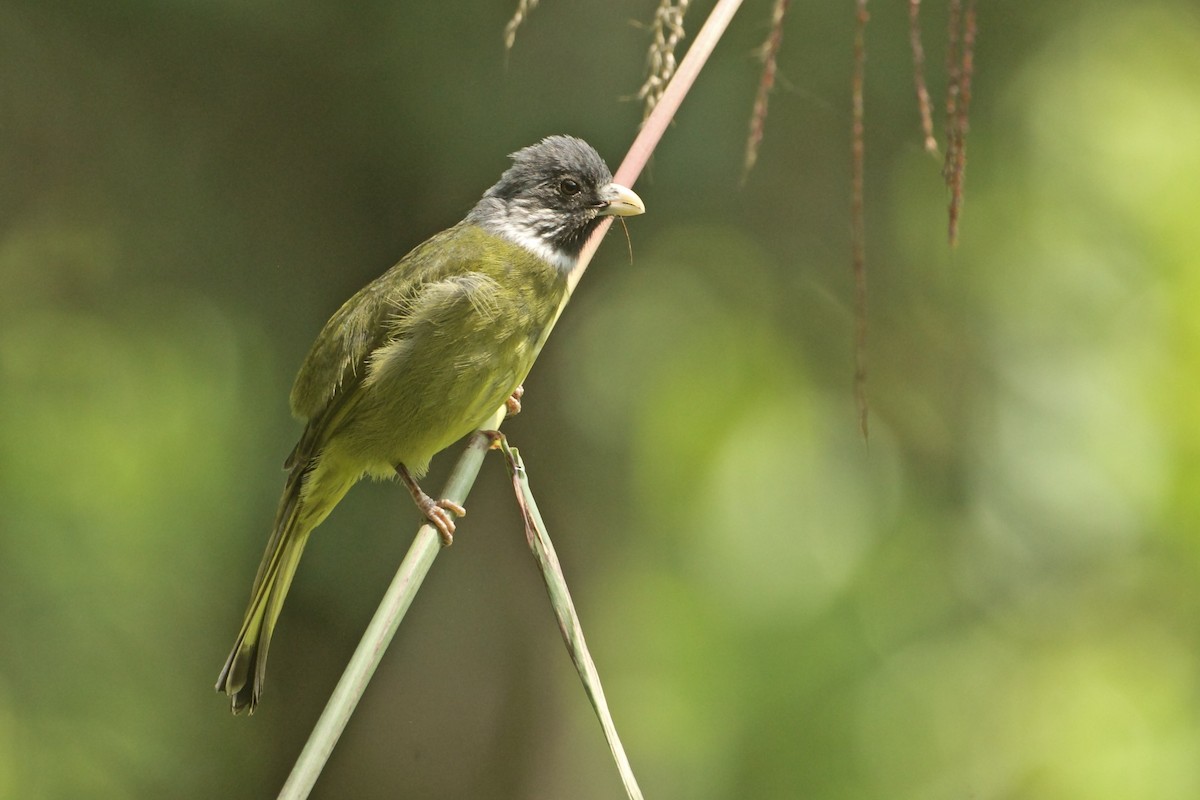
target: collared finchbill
<point>620,201</point>
<point>423,355</point>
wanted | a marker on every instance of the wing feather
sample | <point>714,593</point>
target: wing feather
<point>340,356</point>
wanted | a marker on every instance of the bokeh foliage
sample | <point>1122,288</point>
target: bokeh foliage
<point>995,599</point>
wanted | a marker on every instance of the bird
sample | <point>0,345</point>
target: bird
<point>424,355</point>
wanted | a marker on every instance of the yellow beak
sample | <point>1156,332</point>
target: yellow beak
<point>620,201</point>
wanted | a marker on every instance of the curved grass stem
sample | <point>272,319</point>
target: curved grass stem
<point>425,547</point>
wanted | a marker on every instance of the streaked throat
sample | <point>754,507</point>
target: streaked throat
<point>535,233</point>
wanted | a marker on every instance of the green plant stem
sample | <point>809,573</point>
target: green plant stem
<point>656,124</point>
<point>383,625</point>
<point>425,547</point>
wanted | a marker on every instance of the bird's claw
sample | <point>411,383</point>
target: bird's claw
<point>441,514</point>
<point>513,403</point>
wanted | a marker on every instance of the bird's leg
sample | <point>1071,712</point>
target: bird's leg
<point>513,403</point>
<point>440,512</point>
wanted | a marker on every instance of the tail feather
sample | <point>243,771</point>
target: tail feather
<point>308,497</point>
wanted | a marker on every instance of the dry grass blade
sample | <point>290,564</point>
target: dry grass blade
<point>667,32</point>
<point>960,65</point>
<point>769,53</point>
<point>524,8</point>
<point>564,612</point>
<point>918,53</point>
<point>953,87</point>
<point>858,223</point>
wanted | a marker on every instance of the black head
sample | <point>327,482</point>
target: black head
<point>552,198</point>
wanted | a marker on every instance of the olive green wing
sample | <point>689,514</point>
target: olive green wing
<point>338,358</point>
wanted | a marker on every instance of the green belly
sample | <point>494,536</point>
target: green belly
<point>443,376</point>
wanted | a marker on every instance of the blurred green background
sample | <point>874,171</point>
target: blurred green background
<point>997,598</point>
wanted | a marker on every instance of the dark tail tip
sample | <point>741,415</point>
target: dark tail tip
<point>239,680</point>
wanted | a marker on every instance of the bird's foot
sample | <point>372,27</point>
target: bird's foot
<point>440,513</point>
<point>513,403</point>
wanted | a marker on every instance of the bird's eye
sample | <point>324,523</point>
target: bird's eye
<point>569,186</point>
